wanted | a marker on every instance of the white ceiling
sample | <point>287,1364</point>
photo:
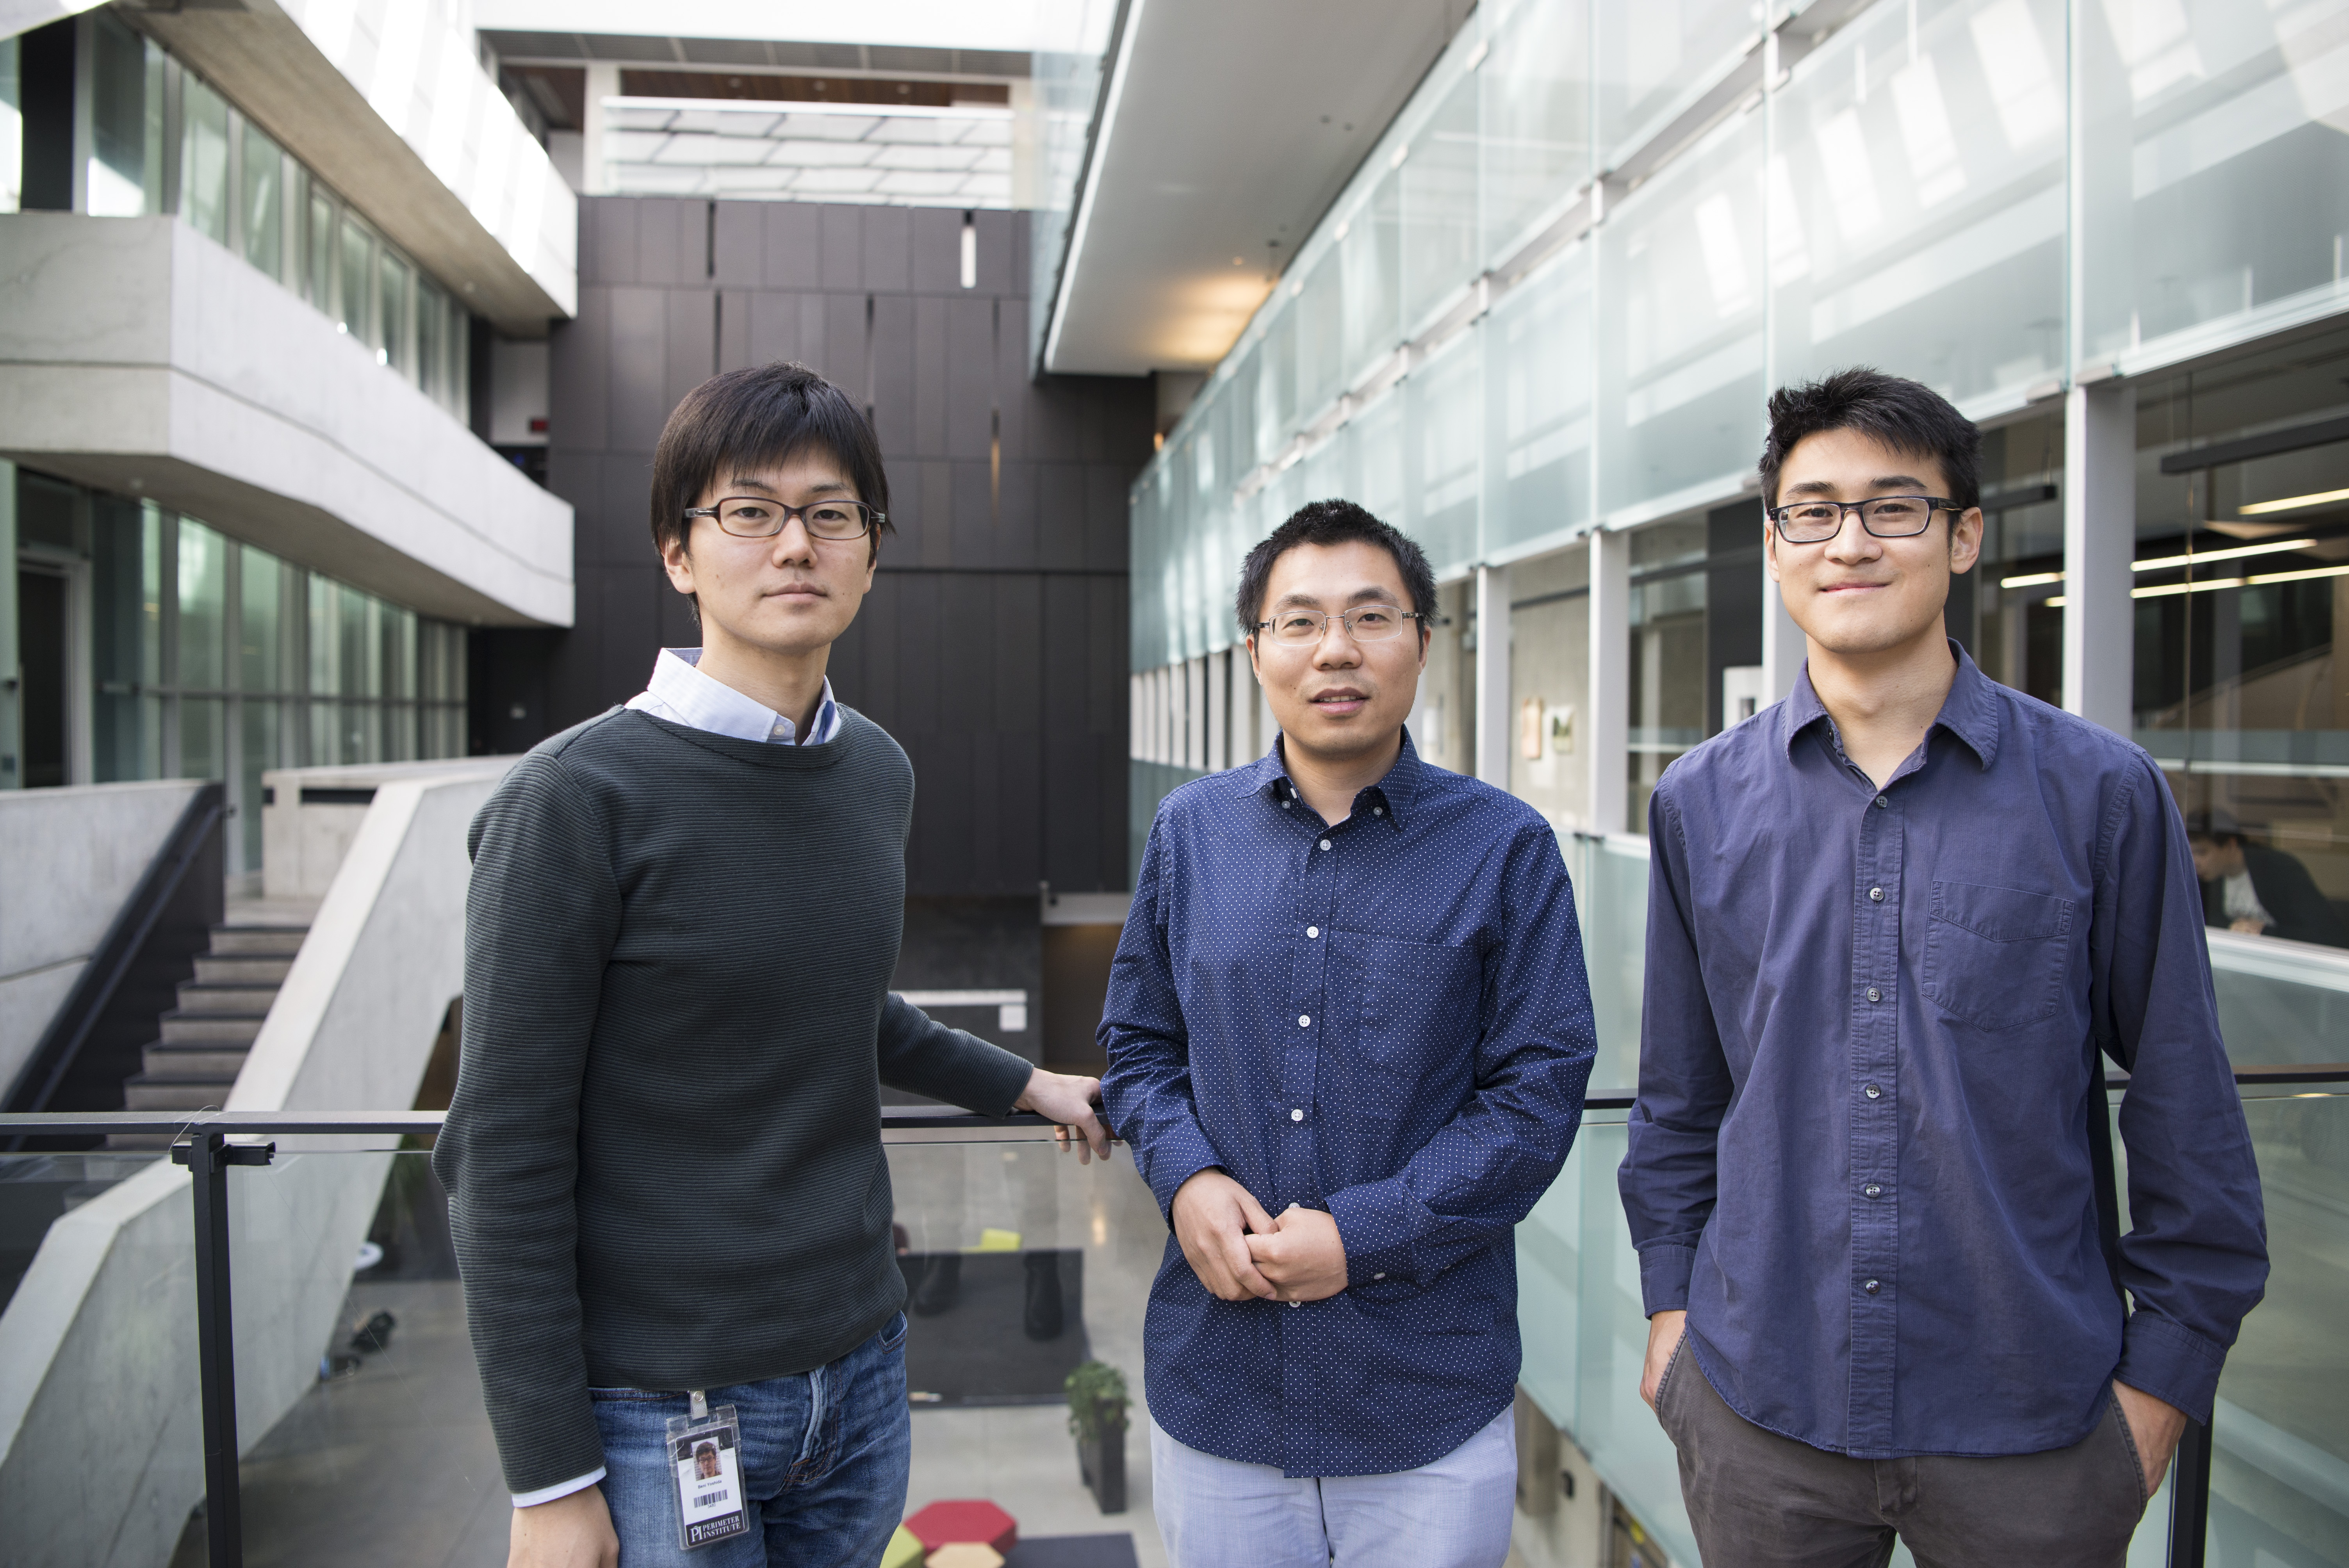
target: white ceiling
<point>1238,123</point>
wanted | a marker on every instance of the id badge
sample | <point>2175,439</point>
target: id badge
<point>705,1451</point>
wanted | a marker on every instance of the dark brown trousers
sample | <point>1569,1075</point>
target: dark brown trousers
<point>1761,1501</point>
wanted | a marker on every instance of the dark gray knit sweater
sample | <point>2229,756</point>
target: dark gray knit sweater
<point>664,1160</point>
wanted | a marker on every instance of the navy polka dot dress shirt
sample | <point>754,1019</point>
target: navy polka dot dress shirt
<point>1387,1019</point>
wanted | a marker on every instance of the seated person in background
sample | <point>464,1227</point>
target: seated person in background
<point>2256,890</point>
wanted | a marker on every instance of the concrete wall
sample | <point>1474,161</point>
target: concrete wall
<point>993,645</point>
<point>68,859</point>
<point>305,843</point>
<point>100,1455</point>
<point>137,355</point>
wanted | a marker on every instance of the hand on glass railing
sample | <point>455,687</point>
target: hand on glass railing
<point>575,1530</point>
<point>1074,1105</point>
<point>1213,1215</point>
<point>1665,1332</point>
<point>2155,1426</point>
<point>1301,1253</point>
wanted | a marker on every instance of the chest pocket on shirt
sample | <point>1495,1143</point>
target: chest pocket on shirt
<point>1419,1010</point>
<point>1997,956</point>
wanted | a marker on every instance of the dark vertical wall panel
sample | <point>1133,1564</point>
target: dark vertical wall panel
<point>993,643</point>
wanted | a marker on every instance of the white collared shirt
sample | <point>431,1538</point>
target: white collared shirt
<point>680,693</point>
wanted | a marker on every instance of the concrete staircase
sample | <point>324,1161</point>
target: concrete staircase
<point>204,1039</point>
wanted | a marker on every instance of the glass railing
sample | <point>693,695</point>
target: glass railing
<point>363,1438</point>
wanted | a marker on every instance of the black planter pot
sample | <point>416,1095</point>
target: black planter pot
<point>1102,1461</point>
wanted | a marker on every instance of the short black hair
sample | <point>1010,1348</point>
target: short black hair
<point>1907,415</point>
<point>1333,523</point>
<point>2215,823</point>
<point>754,418</point>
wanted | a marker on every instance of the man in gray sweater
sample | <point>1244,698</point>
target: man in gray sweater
<point>663,1161</point>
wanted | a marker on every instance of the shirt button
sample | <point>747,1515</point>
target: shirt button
<point>1379,811</point>
<point>1286,804</point>
<point>1297,1115</point>
<point>1312,930</point>
<point>1872,1092</point>
<point>1874,995</point>
<point>1881,802</point>
<point>1875,894</point>
<point>1871,1287</point>
<point>1325,843</point>
<point>1304,1020</point>
<point>1872,1190</point>
<point>1296,1304</point>
<point>1380,1276</point>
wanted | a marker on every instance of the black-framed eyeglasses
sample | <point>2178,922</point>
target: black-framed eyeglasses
<point>1363,623</point>
<point>1885,516</point>
<point>756,517</point>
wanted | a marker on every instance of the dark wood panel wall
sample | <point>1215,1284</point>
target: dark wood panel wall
<point>993,645</point>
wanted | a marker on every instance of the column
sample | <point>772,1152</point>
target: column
<point>1137,716</point>
<point>1782,647</point>
<point>1494,733</point>
<point>594,171</point>
<point>1195,712</point>
<point>1607,735</point>
<point>12,675</point>
<point>1219,710</point>
<point>2099,540</point>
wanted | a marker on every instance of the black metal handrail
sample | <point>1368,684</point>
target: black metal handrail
<point>202,1142</point>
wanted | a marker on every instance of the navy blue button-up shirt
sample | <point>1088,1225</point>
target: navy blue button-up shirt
<point>1387,1019</point>
<point>1861,1158</point>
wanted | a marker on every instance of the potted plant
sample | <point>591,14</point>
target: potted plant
<point>1097,1403</point>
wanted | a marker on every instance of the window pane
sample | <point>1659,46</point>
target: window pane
<point>12,128</point>
<point>431,327</point>
<point>391,318</point>
<point>260,653</point>
<point>2215,175</point>
<point>120,178</point>
<point>126,587</point>
<point>202,743</point>
<point>204,603</point>
<point>351,303</point>
<point>355,616</point>
<point>1679,328</point>
<point>1904,233</point>
<point>318,254</point>
<point>263,201</point>
<point>1535,135</point>
<point>1372,258</point>
<point>1538,409</point>
<point>1653,58</point>
<point>204,158</point>
<point>1439,207</point>
<point>257,752</point>
<point>1444,403</point>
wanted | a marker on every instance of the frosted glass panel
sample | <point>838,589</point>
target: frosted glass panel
<point>1439,206</point>
<point>1905,232</point>
<point>1443,402</point>
<point>1654,56</point>
<point>1680,335</point>
<point>1538,365</point>
<point>2216,180</point>
<point>1370,252</point>
<point>1535,82</point>
<point>1318,310</point>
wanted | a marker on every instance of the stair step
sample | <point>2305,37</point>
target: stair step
<point>271,941</point>
<point>182,1028</point>
<point>164,1060</point>
<point>243,969</point>
<point>203,996</point>
<point>147,1092</point>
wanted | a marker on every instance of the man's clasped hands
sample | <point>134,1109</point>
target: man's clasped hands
<point>1238,1251</point>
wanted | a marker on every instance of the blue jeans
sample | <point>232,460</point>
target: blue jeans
<point>825,1456</point>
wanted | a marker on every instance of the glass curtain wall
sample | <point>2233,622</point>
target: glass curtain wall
<point>211,659</point>
<point>162,139</point>
<point>1995,197</point>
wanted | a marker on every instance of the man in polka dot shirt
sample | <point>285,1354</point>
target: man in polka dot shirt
<point>1349,1032</point>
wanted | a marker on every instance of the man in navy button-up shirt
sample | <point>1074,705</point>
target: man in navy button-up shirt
<point>1349,1032</point>
<point>1894,923</point>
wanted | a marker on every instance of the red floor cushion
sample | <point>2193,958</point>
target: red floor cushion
<point>965,1519</point>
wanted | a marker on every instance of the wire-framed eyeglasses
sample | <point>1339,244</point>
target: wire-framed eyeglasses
<point>1885,516</point>
<point>1363,623</point>
<point>757,517</point>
